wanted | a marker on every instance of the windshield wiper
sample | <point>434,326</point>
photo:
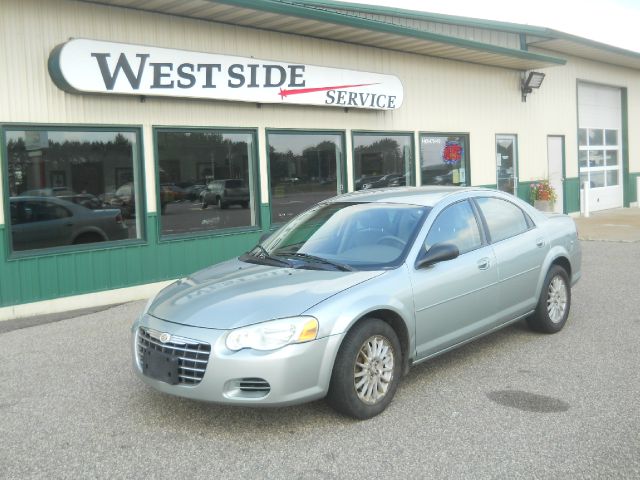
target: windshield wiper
<point>313,258</point>
<point>264,255</point>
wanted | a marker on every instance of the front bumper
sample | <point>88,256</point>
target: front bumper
<point>294,374</point>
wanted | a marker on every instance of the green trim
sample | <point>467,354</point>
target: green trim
<point>376,133</point>
<point>138,166</point>
<point>427,16</point>
<point>296,10</point>
<point>571,194</point>
<point>634,194</point>
<point>61,274</point>
<point>556,34</point>
<point>524,191</point>
<point>523,42</point>
<point>626,182</point>
<point>254,168</point>
<point>509,27</point>
<point>341,167</point>
<point>448,134</point>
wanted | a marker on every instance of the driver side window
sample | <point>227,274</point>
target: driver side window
<point>456,225</point>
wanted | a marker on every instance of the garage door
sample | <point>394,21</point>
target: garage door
<point>600,144</point>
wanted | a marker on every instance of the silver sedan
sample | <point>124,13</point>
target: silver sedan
<point>343,299</point>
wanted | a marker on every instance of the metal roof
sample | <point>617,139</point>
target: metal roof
<point>307,20</point>
<point>584,48</point>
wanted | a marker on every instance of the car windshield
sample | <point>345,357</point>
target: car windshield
<point>344,236</point>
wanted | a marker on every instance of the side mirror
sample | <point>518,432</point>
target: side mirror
<point>439,252</point>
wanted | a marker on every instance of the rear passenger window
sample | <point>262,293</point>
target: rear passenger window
<point>503,218</point>
<point>456,225</point>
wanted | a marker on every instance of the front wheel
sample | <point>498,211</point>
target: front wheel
<point>554,303</point>
<point>367,370</point>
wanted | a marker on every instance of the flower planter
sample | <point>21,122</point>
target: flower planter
<point>543,205</point>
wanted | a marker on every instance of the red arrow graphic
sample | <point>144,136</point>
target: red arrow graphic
<point>298,91</point>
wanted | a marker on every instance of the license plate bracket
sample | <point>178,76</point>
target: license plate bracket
<point>160,365</point>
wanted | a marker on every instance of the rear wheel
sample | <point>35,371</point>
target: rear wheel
<point>554,303</point>
<point>87,238</point>
<point>367,370</point>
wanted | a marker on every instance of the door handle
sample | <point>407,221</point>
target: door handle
<point>540,242</point>
<point>484,263</point>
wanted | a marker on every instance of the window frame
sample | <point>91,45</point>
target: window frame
<point>516,157</point>
<point>467,166</point>
<point>484,239</point>
<point>604,148</point>
<point>528,220</point>
<point>138,166</point>
<point>381,133</point>
<point>341,168</point>
<point>254,176</point>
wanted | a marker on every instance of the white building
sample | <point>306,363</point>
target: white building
<point>275,105</point>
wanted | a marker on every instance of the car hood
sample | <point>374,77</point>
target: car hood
<point>234,294</point>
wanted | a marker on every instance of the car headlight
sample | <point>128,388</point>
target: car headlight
<point>274,334</point>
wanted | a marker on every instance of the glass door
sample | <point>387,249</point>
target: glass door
<point>507,163</point>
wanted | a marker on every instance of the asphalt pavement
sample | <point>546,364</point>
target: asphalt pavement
<point>512,405</point>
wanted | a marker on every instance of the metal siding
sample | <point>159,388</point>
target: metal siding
<point>440,95</point>
<point>493,37</point>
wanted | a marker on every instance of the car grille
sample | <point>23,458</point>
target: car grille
<point>193,356</point>
<point>254,385</point>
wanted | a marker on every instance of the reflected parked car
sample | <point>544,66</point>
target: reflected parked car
<point>48,192</point>
<point>362,181</point>
<point>224,193</point>
<point>43,222</point>
<point>124,198</point>
<point>192,192</point>
<point>85,199</point>
<point>384,181</point>
<point>343,299</point>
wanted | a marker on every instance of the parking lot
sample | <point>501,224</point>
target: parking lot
<point>515,404</point>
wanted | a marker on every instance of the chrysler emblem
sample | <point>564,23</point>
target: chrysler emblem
<point>164,337</point>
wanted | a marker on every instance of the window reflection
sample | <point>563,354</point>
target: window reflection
<point>303,170</point>
<point>444,159</point>
<point>205,180</point>
<point>382,160</point>
<point>63,187</point>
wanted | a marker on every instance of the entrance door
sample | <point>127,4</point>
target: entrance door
<point>506,164</point>
<point>555,157</point>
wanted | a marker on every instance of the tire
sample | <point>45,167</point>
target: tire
<point>348,392</point>
<point>87,238</point>
<point>221,204</point>
<point>204,205</point>
<point>555,301</point>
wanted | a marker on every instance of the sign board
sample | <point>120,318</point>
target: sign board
<point>91,66</point>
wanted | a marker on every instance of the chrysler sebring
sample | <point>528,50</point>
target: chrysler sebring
<point>342,300</point>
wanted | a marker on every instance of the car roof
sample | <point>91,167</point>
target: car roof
<point>425,196</point>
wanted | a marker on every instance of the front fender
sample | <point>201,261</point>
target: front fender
<point>391,292</point>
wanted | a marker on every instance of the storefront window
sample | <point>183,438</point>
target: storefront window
<point>304,168</point>
<point>70,187</point>
<point>382,160</point>
<point>507,163</point>
<point>444,159</point>
<point>205,180</point>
